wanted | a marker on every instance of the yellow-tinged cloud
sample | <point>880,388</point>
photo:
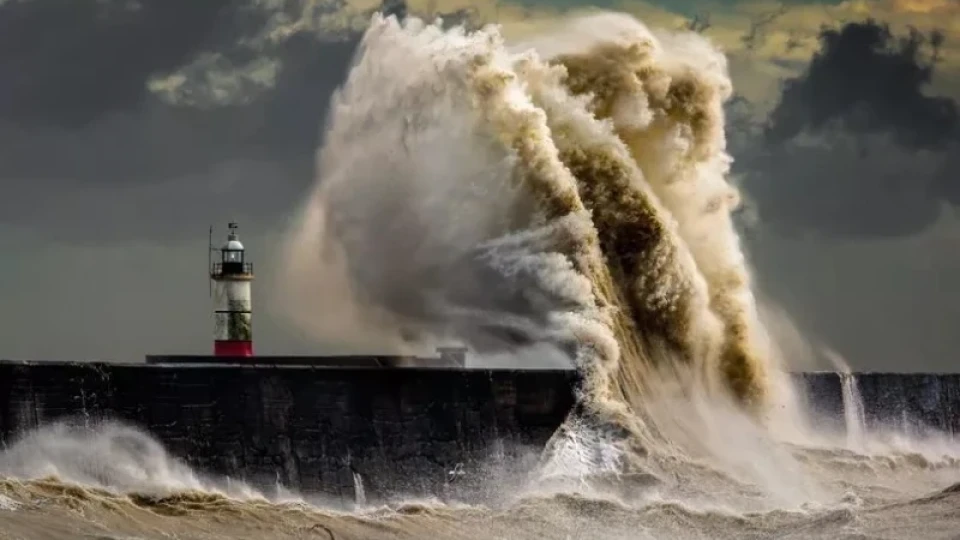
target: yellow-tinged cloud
<point>926,6</point>
<point>765,41</point>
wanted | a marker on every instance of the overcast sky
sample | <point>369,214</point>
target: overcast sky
<point>128,127</point>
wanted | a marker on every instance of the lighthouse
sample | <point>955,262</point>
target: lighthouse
<point>232,276</point>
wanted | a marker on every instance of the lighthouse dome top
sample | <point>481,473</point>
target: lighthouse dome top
<point>233,244</point>
<point>233,265</point>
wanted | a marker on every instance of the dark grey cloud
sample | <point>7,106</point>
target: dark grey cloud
<point>397,8</point>
<point>90,144</point>
<point>870,81</point>
<point>66,63</point>
<point>856,145</point>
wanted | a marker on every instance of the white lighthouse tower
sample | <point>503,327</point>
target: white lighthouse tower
<point>232,277</point>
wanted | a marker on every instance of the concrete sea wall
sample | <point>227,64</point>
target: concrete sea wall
<point>910,402</point>
<point>398,431</point>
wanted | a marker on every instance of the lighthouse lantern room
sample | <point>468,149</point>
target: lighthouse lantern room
<point>231,277</point>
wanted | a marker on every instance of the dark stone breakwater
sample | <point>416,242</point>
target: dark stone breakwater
<point>399,430</point>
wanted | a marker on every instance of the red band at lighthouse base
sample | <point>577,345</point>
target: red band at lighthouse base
<point>233,348</point>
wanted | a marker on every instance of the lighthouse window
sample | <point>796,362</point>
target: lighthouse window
<point>232,256</point>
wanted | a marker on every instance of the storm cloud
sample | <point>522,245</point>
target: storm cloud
<point>128,126</point>
<point>868,81</point>
<point>165,110</point>
<point>857,146</point>
<point>65,64</point>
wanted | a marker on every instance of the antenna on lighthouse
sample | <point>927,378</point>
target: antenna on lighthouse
<point>210,263</point>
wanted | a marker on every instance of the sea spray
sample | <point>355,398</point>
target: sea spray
<point>665,97</point>
<point>109,455</point>
<point>568,192</point>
